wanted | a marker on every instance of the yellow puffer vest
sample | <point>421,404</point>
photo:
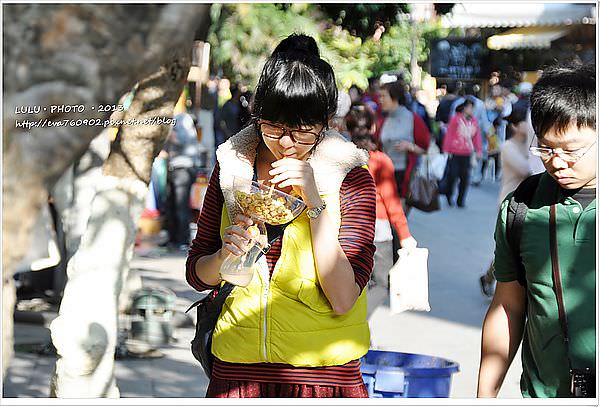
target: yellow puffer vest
<point>287,319</point>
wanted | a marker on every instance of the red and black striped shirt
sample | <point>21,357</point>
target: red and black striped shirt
<point>357,228</point>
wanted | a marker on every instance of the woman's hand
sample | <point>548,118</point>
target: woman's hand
<point>402,146</point>
<point>236,238</point>
<point>299,175</point>
<point>408,243</point>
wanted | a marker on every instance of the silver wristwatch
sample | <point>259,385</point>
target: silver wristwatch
<point>314,212</point>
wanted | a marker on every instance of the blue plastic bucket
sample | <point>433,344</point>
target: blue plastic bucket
<point>402,375</point>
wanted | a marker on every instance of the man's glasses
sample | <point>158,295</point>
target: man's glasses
<point>546,153</point>
<point>276,131</point>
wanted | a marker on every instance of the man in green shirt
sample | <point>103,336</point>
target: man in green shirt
<point>563,111</point>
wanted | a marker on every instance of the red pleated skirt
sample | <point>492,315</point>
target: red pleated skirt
<point>237,389</point>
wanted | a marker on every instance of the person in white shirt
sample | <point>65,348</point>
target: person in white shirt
<point>514,154</point>
<point>516,166</point>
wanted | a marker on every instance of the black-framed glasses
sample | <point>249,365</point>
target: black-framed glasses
<point>277,131</point>
<point>546,153</point>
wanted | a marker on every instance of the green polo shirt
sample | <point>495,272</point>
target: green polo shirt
<point>544,356</point>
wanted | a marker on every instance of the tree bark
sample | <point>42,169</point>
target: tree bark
<point>71,54</point>
<point>84,334</point>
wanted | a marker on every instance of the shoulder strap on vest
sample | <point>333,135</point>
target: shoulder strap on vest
<point>515,218</point>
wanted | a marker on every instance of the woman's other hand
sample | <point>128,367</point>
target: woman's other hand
<point>236,237</point>
<point>299,175</point>
<point>402,146</point>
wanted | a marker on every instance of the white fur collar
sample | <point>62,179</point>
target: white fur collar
<point>332,159</point>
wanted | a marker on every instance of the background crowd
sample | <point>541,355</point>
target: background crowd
<point>438,94</point>
<point>463,138</point>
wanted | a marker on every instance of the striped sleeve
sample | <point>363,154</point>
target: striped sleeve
<point>357,229</point>
<point>208,236</point>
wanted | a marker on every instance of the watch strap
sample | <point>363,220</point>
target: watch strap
<point>315,212</point>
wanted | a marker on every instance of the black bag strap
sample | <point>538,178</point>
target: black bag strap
<point>556,280</point>
<point>515,218</point>
<point>219,299</point>
<point>226,288</point>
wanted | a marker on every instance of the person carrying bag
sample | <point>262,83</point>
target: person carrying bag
<point>462,141</point>
<point>299,328</point>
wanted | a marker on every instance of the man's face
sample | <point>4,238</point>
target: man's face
<point>572,175</point>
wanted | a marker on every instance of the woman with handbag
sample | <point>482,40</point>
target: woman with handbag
<point>461,142</point>
<point>361,125</point>
<point>404,135</point>
<point>299,328</point>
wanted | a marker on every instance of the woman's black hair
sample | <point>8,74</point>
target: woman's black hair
<point>298,43</point>
<point>396,91</point>
<point>517,116</point>
<point>296,86</point>
<point>564,95</point>
<point>460,108</point>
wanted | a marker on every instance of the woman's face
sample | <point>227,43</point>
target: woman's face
<point>468,110</point>
<point>519,131</point>
<point>291,142</point>
<point>386,101</point>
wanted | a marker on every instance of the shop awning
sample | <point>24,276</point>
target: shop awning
<point>519,14</point>
<point>526,37</point>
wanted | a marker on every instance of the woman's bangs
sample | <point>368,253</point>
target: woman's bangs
<point>295,98</point>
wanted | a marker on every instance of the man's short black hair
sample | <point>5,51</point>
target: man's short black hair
<point>565,95</point>
<point>451,87</point>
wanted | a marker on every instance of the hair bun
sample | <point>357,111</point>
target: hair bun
<point>298,43</point>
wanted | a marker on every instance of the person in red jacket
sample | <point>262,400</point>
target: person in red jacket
<point>389,213</point>
<point>461,142</point>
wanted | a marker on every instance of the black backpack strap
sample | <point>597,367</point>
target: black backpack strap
<point>515,218</point>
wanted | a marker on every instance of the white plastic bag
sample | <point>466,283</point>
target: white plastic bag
<point>437,165</point>
<point>409,289</point>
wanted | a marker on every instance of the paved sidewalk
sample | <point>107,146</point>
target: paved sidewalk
<point>461,246</point>
<point>460,242</point>
<point>177,374</point>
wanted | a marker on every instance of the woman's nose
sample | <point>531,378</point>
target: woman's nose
<point>286,140</point>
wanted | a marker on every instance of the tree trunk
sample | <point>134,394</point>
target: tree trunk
<point>85,332</point>
<point>73,54</point>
